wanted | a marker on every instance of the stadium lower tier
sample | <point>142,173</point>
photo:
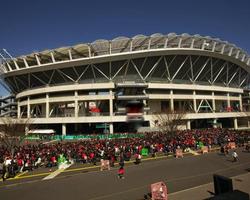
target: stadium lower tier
<point>110,108</point>
<point>124,127</point>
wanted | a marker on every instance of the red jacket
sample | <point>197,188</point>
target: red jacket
<point>121,171</point>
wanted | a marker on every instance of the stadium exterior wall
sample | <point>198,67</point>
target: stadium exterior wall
<point>83,87</point>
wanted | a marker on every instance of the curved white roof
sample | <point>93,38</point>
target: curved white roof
<point>121,45</point>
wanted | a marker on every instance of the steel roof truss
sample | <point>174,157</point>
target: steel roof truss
<point>243,80</point>
<point>93,71</point>
<point>167,67</point>
<point>18,79</point>
<point>25,63</point>
<point>182,64</point>
<point>6,61</point>
<point>126,69</point>
<point>223,66</point>
<point>143,64</point>
<point>155,65</point>
<point>204,104</point>
<point>126,45</point>
<point>137,70</point>
<point>210,70</point>
<point>239,77</point>
<point>212,64</point>
<point>233,76</point>
<point>191,68</point>
<point>5,87</point>
<point>229,67</point>
<point>37,60</point>
<point>52,57</point>
<point>82,73</point>
<point>51,76</point>
<point>95,67</point>
<point>74,69</point>
<point>29,79</point>
<point>38,79</point>
<point>66,75</point>
<point>119,69</point>
<point>203,67</point>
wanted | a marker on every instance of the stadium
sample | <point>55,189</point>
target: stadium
<point>86,88</point>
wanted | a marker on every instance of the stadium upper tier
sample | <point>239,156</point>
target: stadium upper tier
<point>100,57</point>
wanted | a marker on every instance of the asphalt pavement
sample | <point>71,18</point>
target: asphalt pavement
<point>81,183</point>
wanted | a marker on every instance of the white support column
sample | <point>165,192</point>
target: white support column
<point>213,102</point>
<point>228,100</point>
<point>47,106</point>
<point>28,107</point>
<point>110,102</point>
<point>248,123</point>
<point>194,101</point>
<point>235,123</point>
<point>76,104</point>
<point>179,105</point>
<point>188,125</point>
<point>37,60</point>
<point>215,123</point>
<point>26,129</point>
<point>111,128</point>
<point>144,104</point>
<point>70,54</point>
<point>86,107</point>
<point>18,109</point>
<point>52,57</point>
<point>25,62</point>
<point>16,65</point>
<point>171,100</point>
<point>64,129</point>
<point>89,50</point>
<point>240,101</point>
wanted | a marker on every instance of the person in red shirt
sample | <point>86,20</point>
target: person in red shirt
<point>121,172</point>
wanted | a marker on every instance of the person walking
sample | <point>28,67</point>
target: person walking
<point>121,172</point>
<point>235,156</point>
<point>3,171</point>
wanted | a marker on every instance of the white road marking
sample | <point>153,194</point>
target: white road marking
<point>56,173</point>
<point>193,152</point>
<point>50,141</point>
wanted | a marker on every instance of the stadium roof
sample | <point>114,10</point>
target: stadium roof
<point>121,45</point>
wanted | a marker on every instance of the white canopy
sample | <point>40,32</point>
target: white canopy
<point>41,131</point>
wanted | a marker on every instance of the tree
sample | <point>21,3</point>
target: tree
<point>169,120</point>
<point>12,132</point>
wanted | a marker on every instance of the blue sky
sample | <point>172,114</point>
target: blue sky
<point>27,26</point>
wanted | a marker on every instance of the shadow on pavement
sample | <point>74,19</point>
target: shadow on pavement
<point>234,195</point>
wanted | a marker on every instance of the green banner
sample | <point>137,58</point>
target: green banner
<point>86,137</point>
<point>144,152</point>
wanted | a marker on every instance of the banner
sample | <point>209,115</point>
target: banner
<point>200,144</point>
<point>159,191</point>
<point>86,137</point>
<point>204,149</point>
<point>178,153</point>
<point>105,164</point>
<point>144,152</point>
<point>231,145</point>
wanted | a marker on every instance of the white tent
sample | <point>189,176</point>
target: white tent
<point>42,131</point>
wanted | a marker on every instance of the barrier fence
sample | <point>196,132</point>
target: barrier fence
<point>84,137</point>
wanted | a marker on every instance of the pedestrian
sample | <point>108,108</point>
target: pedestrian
<point>235,156</point>
<point>137,159</point>
<point>3,171</point>
<point>121,163</point>
<point>222,150</point>
<point>121,172</point>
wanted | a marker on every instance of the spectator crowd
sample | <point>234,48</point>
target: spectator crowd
<point>31,156</point>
